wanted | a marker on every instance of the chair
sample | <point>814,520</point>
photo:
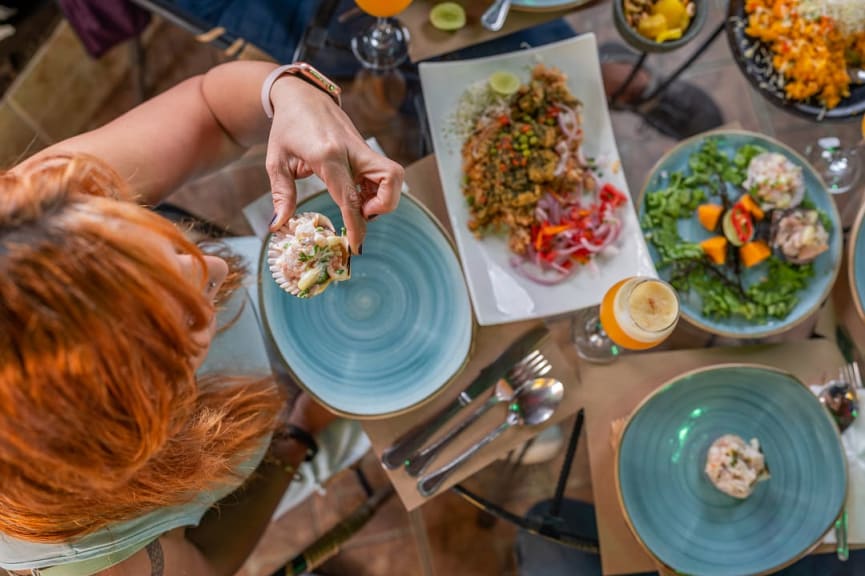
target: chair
<point>539,556</point>
<point>329,544</point>
<point>273,27</point>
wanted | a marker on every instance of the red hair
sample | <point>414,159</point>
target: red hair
<point>101,416</point>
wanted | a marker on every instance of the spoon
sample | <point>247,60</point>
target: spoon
<point>857,75</point>
<point>507,389</point>
<point>494,18</point>
<point>534,405</point>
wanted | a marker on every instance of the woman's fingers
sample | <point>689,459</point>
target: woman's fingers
<point>342,188</point>
<point>383,178</point>
<point>282,188</point>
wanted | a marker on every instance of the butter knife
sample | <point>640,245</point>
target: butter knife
<point>410,442</point>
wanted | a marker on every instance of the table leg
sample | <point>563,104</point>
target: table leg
<point>556,505</point>
<point>674,108</point>
<point>685,65</point>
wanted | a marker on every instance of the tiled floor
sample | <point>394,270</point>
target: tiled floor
<point>444,538</point>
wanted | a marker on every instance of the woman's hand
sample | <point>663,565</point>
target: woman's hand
<point>311,134</point>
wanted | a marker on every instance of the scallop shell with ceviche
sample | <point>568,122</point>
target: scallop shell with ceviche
<point>306,255</point>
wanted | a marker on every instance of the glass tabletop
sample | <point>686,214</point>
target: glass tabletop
<point>390,107</point>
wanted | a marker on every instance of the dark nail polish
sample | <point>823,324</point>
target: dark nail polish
<point>371,218</point>
<point>360,250</point>
<point>272,220</point>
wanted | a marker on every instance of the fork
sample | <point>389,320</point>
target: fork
<point>852,377</point>
<point>532,366</point>
<point>850,374</point>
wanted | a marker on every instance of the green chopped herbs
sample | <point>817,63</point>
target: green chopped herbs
<point>713,174</point>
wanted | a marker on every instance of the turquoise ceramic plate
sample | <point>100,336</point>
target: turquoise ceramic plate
<point>389,338</point>
<point>825,266</point>
<point>856,263</point>
<point>693,528</point>
<point>546,5</point>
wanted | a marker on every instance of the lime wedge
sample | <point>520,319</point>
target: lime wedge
<point>504,83</point>
<point>447,16</point>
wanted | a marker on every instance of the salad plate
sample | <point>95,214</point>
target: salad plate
<point>546,5</point>
<point>757,287</point>
<point>392,336</point>
<point>856,263</point>
<point>689,525</point>
<point>501,289</point>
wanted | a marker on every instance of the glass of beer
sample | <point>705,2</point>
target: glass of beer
<point>636,313</point>
<point>384,44</point>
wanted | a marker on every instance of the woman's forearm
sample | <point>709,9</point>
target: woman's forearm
<point>194,128</point>
<point>233,94</point>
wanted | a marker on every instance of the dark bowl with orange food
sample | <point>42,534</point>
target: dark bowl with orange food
<point>755,59</point>
<point>659,25</point>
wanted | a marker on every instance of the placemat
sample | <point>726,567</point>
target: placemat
<point>612,392</point>
<point>427,41</point>
<point>490,342</point>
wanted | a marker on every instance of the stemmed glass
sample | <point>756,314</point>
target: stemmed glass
<point>837,163</point>
<point>636,313</point>
<point>837,160</point>
<point>384,44</point>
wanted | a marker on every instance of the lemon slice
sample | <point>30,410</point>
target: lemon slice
<point>504,83</point>
<point>447,16</point>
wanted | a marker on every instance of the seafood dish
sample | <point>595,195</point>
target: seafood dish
<point>734,466</point>
<point>306,255</point>
<point>764,231</point>
<point>813,50</point>
<point>774,181</point>
<point>524,174</point>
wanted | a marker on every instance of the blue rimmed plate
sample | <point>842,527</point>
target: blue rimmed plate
<point>394,334</point>
<point>682,519</point>
<point>826,265</point>
<point>546,5</point>
<point>856,263</point>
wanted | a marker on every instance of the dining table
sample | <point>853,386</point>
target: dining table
<point>389,107</point>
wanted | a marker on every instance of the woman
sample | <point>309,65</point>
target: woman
<point>111,449</point>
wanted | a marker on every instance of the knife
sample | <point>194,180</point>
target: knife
<point>410,442</point>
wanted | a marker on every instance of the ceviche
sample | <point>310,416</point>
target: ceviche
<point>524,174</point>
<point>813,45</point>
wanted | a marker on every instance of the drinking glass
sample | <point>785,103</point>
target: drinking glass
<point>636,313</point>
<point>384,44</point>
<point>836,161</point>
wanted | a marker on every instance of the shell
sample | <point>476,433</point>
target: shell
<point>275,252</point>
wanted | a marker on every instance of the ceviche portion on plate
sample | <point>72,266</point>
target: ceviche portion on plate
<point>525,175</point>
<point>748,238</point>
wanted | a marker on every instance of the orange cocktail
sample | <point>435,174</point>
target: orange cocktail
<point>639,313</point>
<point>383,8</point>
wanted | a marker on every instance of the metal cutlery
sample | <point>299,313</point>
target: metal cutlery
<point>410,442</point>
<point>840,397</point>
<point>494,18</point>
<point>534,405</point>
<point>507,388</point>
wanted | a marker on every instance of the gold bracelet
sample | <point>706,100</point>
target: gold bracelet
<point>289,469</point>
